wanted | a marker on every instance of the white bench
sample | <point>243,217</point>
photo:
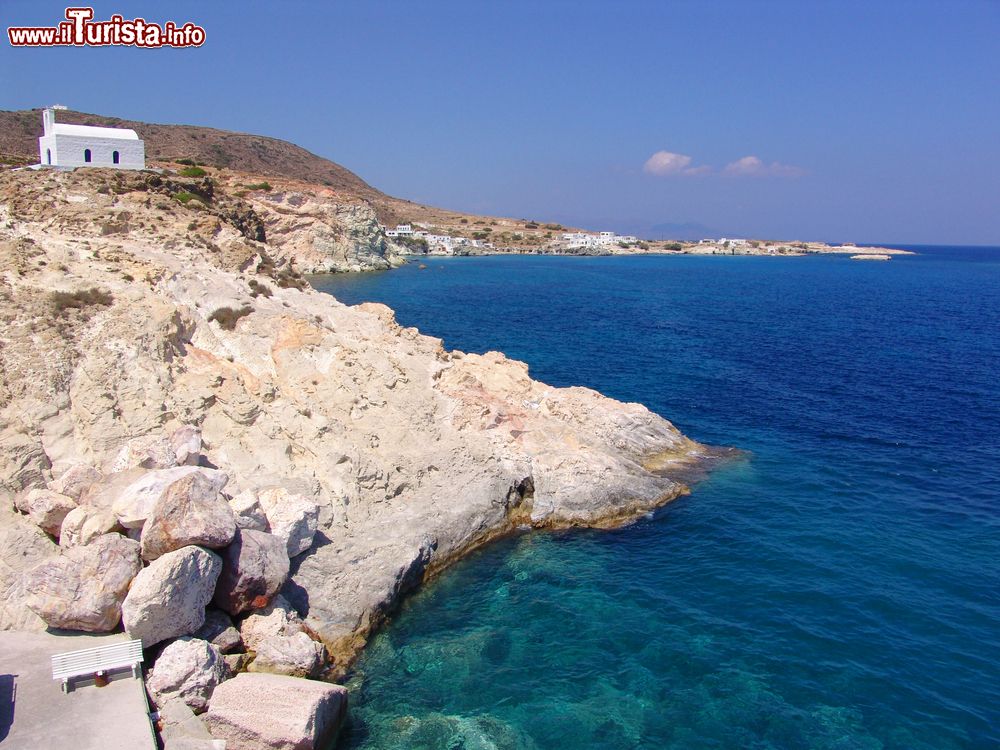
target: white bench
<point>97,661</point>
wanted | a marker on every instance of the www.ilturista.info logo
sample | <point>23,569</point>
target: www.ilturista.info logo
<point>79,30</point>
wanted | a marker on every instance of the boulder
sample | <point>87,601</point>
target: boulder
<point>249,514</point>
<point>46,509</point>
<point>76,480</point>
<point>186,443</point>
<point>190,511</point>
<point>219,630</point>
<point>278,618</point>
<point>255,710</point>
<point>135,502</point>
<point>147,452</point>
<point>22,546</point>
<point>84,588</point>
<point>180,729</point>
<point>188,669</point>
<point>254,568</point>
<point>292,517</point>
<point>84,524</point>
<point>168,598</point>
<point>296,655</point>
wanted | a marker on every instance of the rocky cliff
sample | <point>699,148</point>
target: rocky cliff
<point>135,317</point>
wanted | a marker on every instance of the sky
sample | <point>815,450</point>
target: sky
<point>838,120</point>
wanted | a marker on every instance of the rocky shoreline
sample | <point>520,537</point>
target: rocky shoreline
<point>243,472</point>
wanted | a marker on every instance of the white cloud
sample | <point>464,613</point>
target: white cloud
<point>664,163</point>
<point>752,166</point>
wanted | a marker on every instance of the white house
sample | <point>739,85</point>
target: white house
<point>63,145</point>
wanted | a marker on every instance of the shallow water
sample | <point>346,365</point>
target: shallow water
<point>836,588</point>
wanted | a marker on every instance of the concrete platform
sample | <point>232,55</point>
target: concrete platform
<point>36,715</point>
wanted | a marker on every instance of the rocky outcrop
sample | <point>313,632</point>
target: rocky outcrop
<point>188,669</point>
<point>189,511</point>
<point>411,454</point>
<point>254,568</point>
<point>84,587</point>
<point>168,598</point>
<point>275,712</point>
<point>322,234</point>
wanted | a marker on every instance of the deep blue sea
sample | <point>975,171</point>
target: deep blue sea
<point>837,587</point>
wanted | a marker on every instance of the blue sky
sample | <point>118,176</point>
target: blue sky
<point>872,121</point>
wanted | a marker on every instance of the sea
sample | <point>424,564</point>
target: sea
<point>834,586</point>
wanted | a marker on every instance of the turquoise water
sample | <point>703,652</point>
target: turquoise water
<point>836,588</point>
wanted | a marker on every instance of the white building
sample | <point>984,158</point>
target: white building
<point>401,230</point>
<point>64,145</point>
<point>585,239</point>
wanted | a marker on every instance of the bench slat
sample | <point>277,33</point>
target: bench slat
<point>98,659</point>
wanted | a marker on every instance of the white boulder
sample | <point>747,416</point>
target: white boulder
<point>188,669</point>
<point>168,598</point>
<point>290,516</point>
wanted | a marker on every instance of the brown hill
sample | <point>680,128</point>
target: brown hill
<point>267,157</point>
<point>19,132</point>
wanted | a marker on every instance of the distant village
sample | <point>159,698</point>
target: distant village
<point>417,237</point>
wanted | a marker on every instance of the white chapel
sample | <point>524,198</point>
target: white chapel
<point>64,145</point>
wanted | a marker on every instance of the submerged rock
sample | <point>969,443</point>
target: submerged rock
<point>253,711</point>
<point>168,598</point>
<point>84,588</point>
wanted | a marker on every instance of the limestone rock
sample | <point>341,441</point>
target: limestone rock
<point>147,452</point>
<point>188,669</point>
<point>168,598</point>
<point>296,655</point>
<point>290,516</point>
<point>83,588</point>
<point>180,729</point>
<point>257,711</point>
<point>186,443</point>
<point>249,514</point>
<point>254,568</point>
<point>135,502</point>
<point>76,480</point>
<point>22,546</point>
<point>278,618</point>
<point>189,511</point>
<point>47,509</point>
<point>219,630</point>
<point>84,524</point>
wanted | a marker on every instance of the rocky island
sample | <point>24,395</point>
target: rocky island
<point>242,472</point>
